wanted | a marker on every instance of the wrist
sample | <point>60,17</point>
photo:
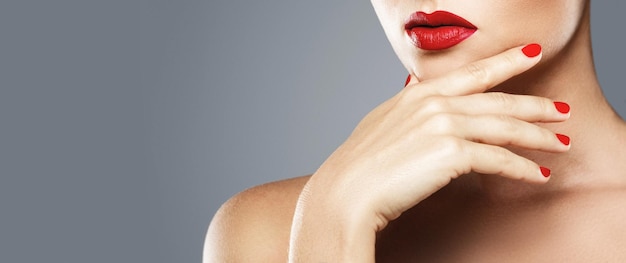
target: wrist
<point>327,228</point>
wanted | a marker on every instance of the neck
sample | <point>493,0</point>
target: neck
<point>597,133</point>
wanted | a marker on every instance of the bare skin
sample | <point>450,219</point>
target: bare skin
<point>579,226</point>
<point>447,172</point>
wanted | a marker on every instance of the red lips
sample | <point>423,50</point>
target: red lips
<point>439,30</point>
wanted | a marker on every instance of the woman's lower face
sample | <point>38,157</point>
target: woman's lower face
<point>497,25</point>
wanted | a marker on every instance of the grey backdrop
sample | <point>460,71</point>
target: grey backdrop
<point>125,124</point>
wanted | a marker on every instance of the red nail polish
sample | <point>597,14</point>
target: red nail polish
<point>563,138</point>
<point>408,79</point>
<point>562,107</point>
<point>545,171</point>
<point>532,50</point>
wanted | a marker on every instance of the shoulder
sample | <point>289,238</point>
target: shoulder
<point>254,225</point>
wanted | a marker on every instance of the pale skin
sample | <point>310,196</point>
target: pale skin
<point>448,169</point>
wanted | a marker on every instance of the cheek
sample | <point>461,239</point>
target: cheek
<point>550,23</point>
<point>388,15</point>
<point>564,25</point>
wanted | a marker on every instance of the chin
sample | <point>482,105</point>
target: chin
<point>428,65</point>
<point>433,65</point>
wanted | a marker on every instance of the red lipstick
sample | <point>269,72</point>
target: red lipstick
<point>437,31</point>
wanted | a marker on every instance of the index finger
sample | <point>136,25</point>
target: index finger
<point>484,74</point>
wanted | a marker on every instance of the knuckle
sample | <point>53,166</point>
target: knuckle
<point>434,105</point>
<point>509,60</point>
<point>507,162</point>
<point>545,105</point>
<point>502,99</point>
<point>525,169</point>
<point>505,156</point>
<point>451,146</point>
<point>507,124</point>
<point>478,72</point>
<point>441,123</point>
<point>548,136</point>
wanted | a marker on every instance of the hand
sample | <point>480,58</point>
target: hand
<point>414,144</point>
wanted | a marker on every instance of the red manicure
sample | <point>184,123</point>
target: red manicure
<point>408,79</point>
<point>532,50</point>
<point>562,107</point>
<point>545,171</point>
<point>563,138</point>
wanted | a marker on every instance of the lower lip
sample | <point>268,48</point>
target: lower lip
<point>439,38</point>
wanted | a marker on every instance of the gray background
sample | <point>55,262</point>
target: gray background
<point>125,124</point>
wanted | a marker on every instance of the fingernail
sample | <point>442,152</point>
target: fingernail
<point>532,50</point>
<point>563,138</point>
<point>562,107</point>
<point>545,171</point>
<point>408,79</point>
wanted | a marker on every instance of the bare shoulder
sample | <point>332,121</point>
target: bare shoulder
<point>254,225</point>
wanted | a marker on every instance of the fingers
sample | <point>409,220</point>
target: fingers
<point>484,74</point>
<point>489,159</point>
<point>497,130</point>
<point>456,106</point>
<point>522,107</point>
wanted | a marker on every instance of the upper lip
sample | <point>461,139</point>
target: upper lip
<point>436,19</point>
